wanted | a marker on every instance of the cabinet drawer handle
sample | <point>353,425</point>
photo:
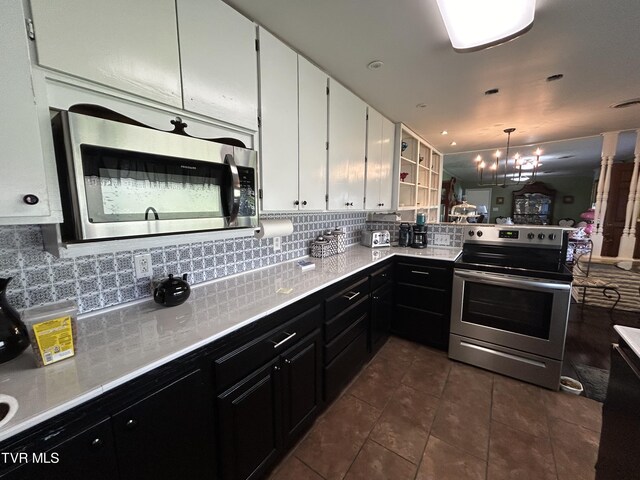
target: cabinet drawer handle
<point>131,424</point>
<point>304,202</point>
<point>352,296</point>
<point>281,342</point>
<point>419,272</point>
<point>30,199</point>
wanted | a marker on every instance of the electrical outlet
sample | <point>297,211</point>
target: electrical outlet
<point>143,266</point>
<point>277,244</point>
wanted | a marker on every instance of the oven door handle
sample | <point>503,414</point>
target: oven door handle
<point>511,280</point>
<point>234,197</point>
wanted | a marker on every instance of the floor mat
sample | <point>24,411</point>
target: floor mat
<point>594,380</point>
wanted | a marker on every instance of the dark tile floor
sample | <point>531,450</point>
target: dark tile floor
<point>590,334</point>
<point>414,414</point>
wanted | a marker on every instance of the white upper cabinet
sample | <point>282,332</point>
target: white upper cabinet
<point>347,143</point>
<point>29,193</point>
<point>312,108</point>
<point>219,64</point>
<point>379,180</point>
<point>127,45</point>
<point>279,123</point>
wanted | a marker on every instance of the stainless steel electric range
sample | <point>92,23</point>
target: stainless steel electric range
<point>510,302</point>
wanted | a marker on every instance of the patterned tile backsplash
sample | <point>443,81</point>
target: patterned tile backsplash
<point>99,281</point>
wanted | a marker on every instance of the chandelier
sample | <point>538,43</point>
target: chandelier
<point>507,172</point>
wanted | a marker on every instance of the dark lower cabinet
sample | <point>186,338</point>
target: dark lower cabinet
<point>346,333</point>
<point>92,451</point>
<point>267,411</point>
<point>382,305</point>
<point>249,422</point>
<point>423,301</point>
<point>619,450</point>
<point>167,434</point>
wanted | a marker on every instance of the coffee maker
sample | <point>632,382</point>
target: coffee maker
<point>419,231</point>
<point>419,236</point>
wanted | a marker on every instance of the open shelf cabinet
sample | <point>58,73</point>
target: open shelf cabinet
<point>418,174</point>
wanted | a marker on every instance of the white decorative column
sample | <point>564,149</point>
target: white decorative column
<point>628,240</point>
<point>609,144</point>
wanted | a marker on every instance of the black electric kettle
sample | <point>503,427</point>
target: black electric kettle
<point>172,291</point>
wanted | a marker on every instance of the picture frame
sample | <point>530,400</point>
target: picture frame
<point>499,200</point>
<point>567,199</point>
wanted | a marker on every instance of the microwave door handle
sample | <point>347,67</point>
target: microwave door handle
<point>234,202</point>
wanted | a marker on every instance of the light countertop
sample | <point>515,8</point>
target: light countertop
<point>119,344</point>
<point>631,336</point>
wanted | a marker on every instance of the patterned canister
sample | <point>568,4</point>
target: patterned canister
<point>341,239</point>
<point>320,247</point>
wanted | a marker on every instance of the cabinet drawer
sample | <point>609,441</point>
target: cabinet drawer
<point>344,367</point>
<point>382,276</point>
<point>345,338</point>
<point>336,325</point>
<point>346,297</point>
<point>241,361</point>
<point>428,275</point>
<point>425,298</point>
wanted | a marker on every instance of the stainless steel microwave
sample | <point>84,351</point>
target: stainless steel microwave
<point>124,180</point>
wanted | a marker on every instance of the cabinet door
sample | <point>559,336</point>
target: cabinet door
<point>301,386</point>
<point>21,157</point>
<point>219,64</point>
<point>379,181</point>
<point>279,124</point>
<point>249,418</point>
<point>347,143</point>
<point>374,160</point>
<point>168,434</point>
<point>312,131</point>
<point>386,164</point>
<point>130,46</point>
<point>90,451</point>
<point>381,315</point>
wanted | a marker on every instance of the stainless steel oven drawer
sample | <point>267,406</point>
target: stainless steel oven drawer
<point>507,361</point>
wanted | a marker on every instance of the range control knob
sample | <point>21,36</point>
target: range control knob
<point>471,233</point>
<point>552,236</point>
<point>375,242</point>
<point>541,236</point>
<point>479,233</point>
<point>530,236</point>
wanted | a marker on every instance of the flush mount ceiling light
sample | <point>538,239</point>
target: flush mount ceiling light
<point>375,65</point>
<point>477,24</point>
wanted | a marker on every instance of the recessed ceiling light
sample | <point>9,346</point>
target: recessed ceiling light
<point>627,103</point>
<point>492,91</point>
<point>474,25</point>
<point>444,132</point>
<point>421,105</point>
<point>453,144</point>
<point>375,65</point>
<point>553,78</point>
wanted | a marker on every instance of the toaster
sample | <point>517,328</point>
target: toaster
<point>376,238</point>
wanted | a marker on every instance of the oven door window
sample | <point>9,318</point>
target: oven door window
<point>124,186</point>
<point>527,312</point>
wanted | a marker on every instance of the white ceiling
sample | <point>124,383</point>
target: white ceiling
<point>595,44</point>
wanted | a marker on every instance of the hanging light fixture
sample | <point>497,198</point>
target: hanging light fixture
<point>477,24</point>
<point>507,172</point>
